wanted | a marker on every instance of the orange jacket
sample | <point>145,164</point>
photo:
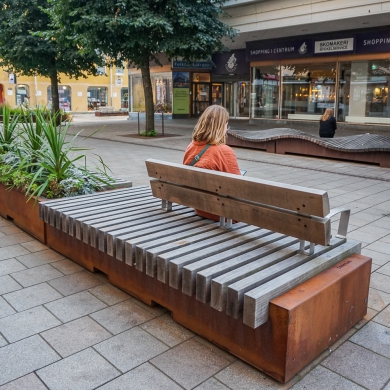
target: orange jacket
<point>217,158</point>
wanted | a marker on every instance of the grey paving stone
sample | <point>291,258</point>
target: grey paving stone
<point>10,265</point>
<point>66,266</point>
<point>323,379</point>
<point>385,269</point>
<point>14,239</point>
<point>4,222</point>
<point>241,376</point>
<point>122,316</point>
<point>5,308</point>
<point>39,258</point>
<point>28,382</point>
<point>3,341</point>
<point>75,306</point>
<point>27,323</point>
<point>384,317</point>
<point>74,283</point>
<point>167,330</point>
<point>34,246</point>
<point>380,246</point>
<point>380,282</point>
<point>10,229</point>
<point>212,347</point>
<point>189,363</point>
<point>360,365</point>
<point>75,336</point>
<point>23,357</point>
<point>374,267</point>
<point>378,300</point>
<point>375,337</point>
<point>211,384</point>
<point>32,296</point>
<point>144,377</point>
<point>36,275</point>
<point>7,284</point>
<point>368,317</point>
<point>109,294</point>
<point>83,371</point>
<point>156,310</point>
<point>130,349</point>
<point>377,257</point>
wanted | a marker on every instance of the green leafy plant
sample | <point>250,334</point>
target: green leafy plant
<point>9,129</point>
<point>150,133</point>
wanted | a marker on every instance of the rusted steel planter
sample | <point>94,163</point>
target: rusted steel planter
<point>14,205</point>
<point>302,322</point>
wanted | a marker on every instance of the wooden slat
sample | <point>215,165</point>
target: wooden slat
<point>237,290</point>
<point>219,284</point>
<point>204,277</point>
<point>256,302</point>
<point>233,240</point>
<point>315,230</point>
<point>295,198</point>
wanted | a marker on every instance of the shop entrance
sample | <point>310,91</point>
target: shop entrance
<point>237,99</point>
<point>201,97</point>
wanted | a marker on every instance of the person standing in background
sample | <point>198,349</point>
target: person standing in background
<point>328,125</point>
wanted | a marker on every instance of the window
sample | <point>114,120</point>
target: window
<point>64,96</point>
<point>120,71</point>
<point>124,97</point>
<point>97,97</point>
<point>22,94</point>
<point>101,71</point>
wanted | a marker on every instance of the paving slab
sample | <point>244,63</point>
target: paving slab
<point>36,275</point>
<point>13,239</point>
<point>122,316</point>
<point>380,282</point>
<point>23,357</point>
<point>85,370</point>
<point>384,317</point>
<point>385,269</point>
<point>211,384</point>
<point>28,382</point>
<point>323,379</point>
<point>27,323</point>
<point>8,284</point>
<point>378,300</point>
<point>34,246</point>
<point>39,258</point>
<point>109,294</point>
<point>66,266</point>
<point>377,257</point>
<point>74,283</point>
<point>75,336</point>
<point>356,363</point>
<point>130,349</point>
<point>32,296</point>
<point>10,265</point>
<point>144,377</point>
<point>10,229</point>
<point>5,308</point>
<point>3,341</point>
<point>190,363</point>
<point>75,306</point>
<point>167,330</point>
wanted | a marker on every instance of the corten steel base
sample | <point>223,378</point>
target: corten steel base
<point>14,205</point>
<point>302,323</point>
<point>301,146</point>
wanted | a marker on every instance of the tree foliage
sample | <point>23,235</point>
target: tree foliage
<point>29,45</point>
<point>138,30</point>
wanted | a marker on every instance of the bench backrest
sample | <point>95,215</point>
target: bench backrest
<point>292,210</point>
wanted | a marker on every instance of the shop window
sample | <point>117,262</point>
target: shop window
<point>201,77</point>
<point>97,97</point>
<point>64,96</point>
<point>363,91</point>
<point>124,98</point>
<point>162,92</point>
<point>22,94</point>
<point>307,90</point>
<point>137,93</point>
<point>265,92</point>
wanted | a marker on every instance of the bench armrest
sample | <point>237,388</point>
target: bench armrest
<point>344,220</point>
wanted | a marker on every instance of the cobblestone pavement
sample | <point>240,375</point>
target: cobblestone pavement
<point>62,327</point>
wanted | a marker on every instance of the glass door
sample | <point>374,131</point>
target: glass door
<point>243,90</point>
<point>201,98</point>
<point>229,102</point>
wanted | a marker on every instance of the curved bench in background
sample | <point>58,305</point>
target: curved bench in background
<point>367,148</point>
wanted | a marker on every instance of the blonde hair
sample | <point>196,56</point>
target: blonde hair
<point>327,114</point>
<point>211,126</point>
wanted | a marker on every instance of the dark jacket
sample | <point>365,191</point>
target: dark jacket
<point>328,127</point>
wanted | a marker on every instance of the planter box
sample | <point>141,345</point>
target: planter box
<point>112,113</point>
<point>142,116</point>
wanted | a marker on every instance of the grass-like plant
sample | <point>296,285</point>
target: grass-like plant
<point>8,129</point>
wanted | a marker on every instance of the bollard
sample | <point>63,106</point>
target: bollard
<point>138,124</point>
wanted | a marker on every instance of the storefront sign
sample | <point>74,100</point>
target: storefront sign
<point>231,63</point>
<point>192,65</point>
<point>272,50</point>
<point>373,42</point>
<point>181,93</point>
<point>333,45</point>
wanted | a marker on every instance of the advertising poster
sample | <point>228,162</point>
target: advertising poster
<point>181,93</point>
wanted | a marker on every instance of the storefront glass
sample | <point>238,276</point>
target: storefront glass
<point>22,94</point>
<point>162,91</point>
<point>64,95</point>
<point>137,93</point>
<point>265,92</point>
<point>363,91</point>
<point>124,97</point>
<point>307,90</point>
<point>97,97</point>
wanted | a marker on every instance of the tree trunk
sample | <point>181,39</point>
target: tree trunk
<point>148,91</point>
<point>55,101</point>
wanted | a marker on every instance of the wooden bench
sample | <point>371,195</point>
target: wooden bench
<point>275,289</point>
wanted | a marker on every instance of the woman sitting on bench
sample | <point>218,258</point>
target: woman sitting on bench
<point>208,149</point>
